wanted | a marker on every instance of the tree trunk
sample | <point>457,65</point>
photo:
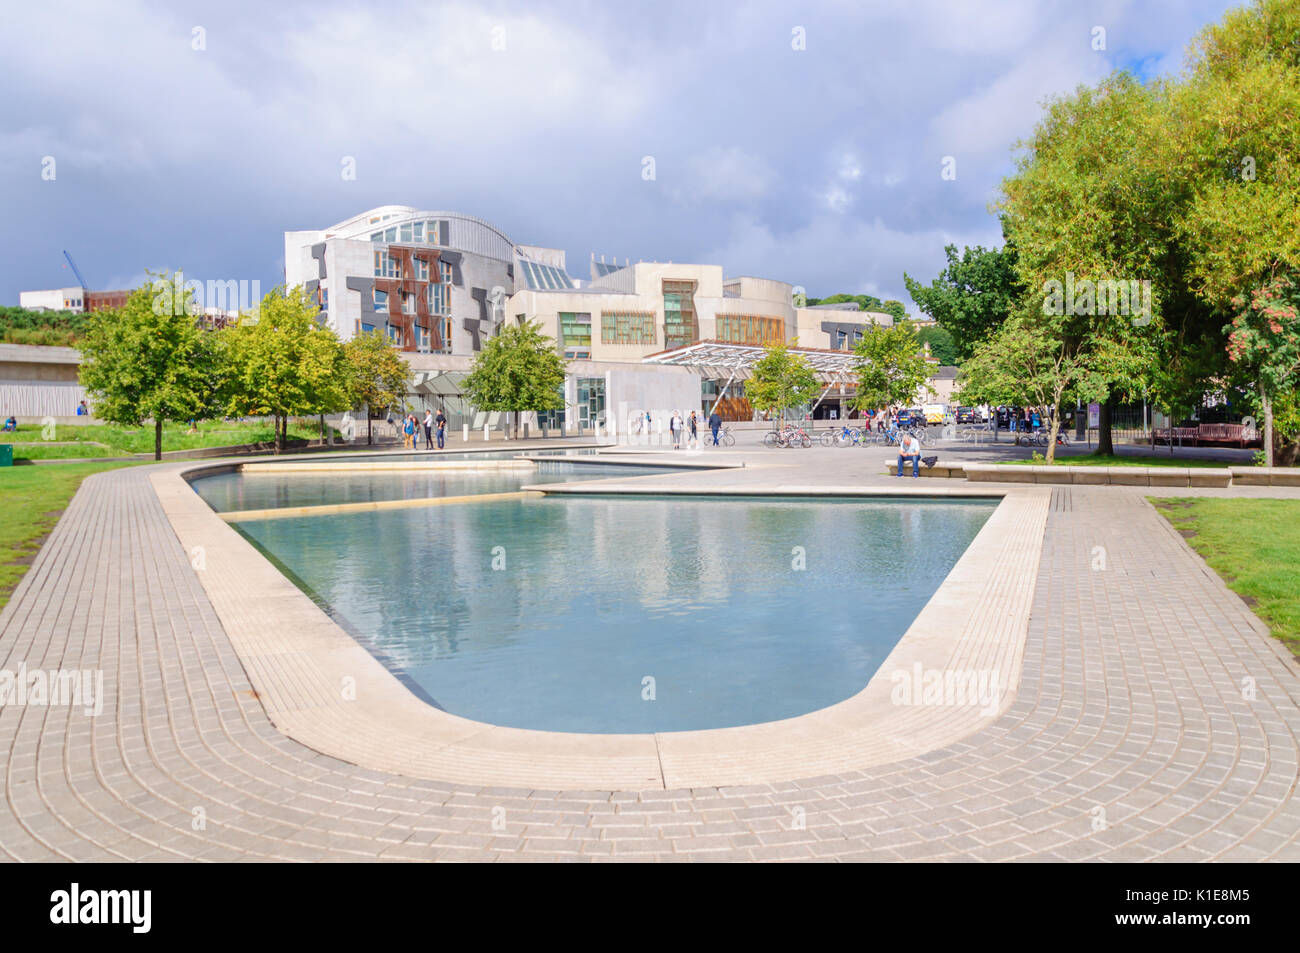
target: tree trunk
<point>279,440</point>
<point>1105,443</point>
<point>1268,427</point>
<point>1053,430</point>
<point>157,439</point>
<point>370,427</point>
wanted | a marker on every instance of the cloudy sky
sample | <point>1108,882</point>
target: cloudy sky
<point>798,141</point>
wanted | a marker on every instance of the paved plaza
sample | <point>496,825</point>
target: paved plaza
<point>1155,719</point>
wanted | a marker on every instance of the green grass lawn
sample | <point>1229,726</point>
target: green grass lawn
<point>33,499</point>
<point>1109,460</point>
<point>1255,546</point>
<point>106,440</point>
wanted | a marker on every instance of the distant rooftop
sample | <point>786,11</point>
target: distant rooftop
<point>841,306</point>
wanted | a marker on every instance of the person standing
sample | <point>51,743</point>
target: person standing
<point>675,428</point>
<point>428,429</point>
<point>715,424</point>
<point>910,449</point>
<point>693,426</point>
<point>441,421</point>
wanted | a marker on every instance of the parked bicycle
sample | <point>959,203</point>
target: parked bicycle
<point>842,436</point>
<point>787,437</point>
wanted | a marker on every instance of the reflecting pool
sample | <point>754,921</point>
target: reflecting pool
<point>629,614</point>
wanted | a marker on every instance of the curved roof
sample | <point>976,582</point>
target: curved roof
<point>468,232</point>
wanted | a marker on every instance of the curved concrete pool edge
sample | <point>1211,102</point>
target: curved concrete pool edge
<point>324,690</point>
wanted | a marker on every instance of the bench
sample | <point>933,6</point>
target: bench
<point>1100,476</point>
<point>940,469</point>
<point>1209,433</point>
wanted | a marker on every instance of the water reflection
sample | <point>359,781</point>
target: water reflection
<point>549,613</point>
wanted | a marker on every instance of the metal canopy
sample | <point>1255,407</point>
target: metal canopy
<point>742,358</point>
<point>438,383</point>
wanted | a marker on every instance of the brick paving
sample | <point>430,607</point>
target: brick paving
<point>1156,720</point>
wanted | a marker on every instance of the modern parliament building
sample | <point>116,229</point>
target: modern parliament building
<point>637,336</point>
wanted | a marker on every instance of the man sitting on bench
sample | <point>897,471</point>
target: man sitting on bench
<point>910,449</point>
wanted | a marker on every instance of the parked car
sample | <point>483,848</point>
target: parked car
<point>966,415</point>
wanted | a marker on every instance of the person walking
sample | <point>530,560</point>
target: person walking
<point>441,421</point>
<point>693,426</point>
<point>715,424</point>
<point>408,428</point>
<point>428,429</point>
<point>910,449</point>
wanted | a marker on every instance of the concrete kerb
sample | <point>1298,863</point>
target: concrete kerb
<point>324,690</point>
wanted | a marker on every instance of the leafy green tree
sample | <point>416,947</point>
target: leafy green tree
<point>377,373</point>
<point>1034,360</point>
<point>891,369</point>
<point>972,296</point>
<point>517,370</point>
<point>942,347</point>
<point>781,379</point>
<point>896,308</point>
<point>147,362</point>
<point>282,362</point>
<point>1264,346</point>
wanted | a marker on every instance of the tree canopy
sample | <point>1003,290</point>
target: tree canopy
<point>282,362</point>
<point>377,373</point>
<point>781,380</point>
<point>890,367</point>
<point>145,363</point>
<point>972,296</point>
<point>517,370</point>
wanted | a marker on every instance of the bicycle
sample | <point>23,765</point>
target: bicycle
<point>797,437</point>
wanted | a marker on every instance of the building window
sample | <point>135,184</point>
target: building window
<point>679,314</point>
<point>591,400</point>
<point>440,291</point>
<point>381,300</point>
<point>422,338</point>
<point>404,232</point>
<point>395,335</point>
<point>435,238</point>
<point>627,327</point>
<point>575,333</point>
<point>390,234</point>
<point>366,328</point>
<point>421,270</point>
<point>376,236</point>
<point>386,266</point>
<point>750,329</point>
<point>419,231</point>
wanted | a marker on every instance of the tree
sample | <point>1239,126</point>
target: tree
<point>896,308</point>
<point>942,347</point>
<point>972,296</point>
<point>282,362</point>
<point>781,379</point>
<point>1264,344</point>
<point>377,373</point>
<point>891,368</point>
<point>146,361</point>
<point>1034,360</point>
<point>518,370</point>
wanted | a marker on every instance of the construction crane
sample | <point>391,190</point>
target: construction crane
<point>76,271</point>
